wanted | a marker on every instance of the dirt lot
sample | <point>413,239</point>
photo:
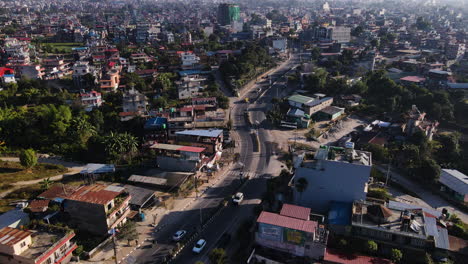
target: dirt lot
<point>286,136</point>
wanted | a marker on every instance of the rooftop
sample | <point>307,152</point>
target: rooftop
<point>11,217</point>
<point>300,98</point>
<point>201,133</point>
<point>97,193</point>
<point>335,256</point>
<point>295,211</point>
<point>95,168</point>
<point>177,148</point>
<point>10,236</point>
<point>455,180</point>
<point>58,191</point>
<point>288,222</point>
<point>343,155</point>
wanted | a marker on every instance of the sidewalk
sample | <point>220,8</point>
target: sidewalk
<point>146,231</point>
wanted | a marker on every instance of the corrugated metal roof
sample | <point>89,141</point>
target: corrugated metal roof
<point>39,205</point>
<point>10,236</point>
<point>288,222</point>
<point>96,168</point>
<point>146,179</point>
<point>58,191</point>
<point>97,194</point>
<point>403,206</point>
<point>317,102</point>
<point>12,217</point>
<point>300,98</point>
<point>201,132</point>
<point>295,211</point>
<point>191,149</point>
<point>455,180</point>
<point>166,146</point>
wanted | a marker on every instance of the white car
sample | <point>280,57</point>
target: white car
<point>179,235</point>
<point>238,197</point>
<point>199,246</point>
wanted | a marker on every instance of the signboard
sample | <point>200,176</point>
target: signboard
<point>292,236</point>
<point>270,232</point>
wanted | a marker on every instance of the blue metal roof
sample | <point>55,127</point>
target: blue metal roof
<point>191,72</point>
<point>13,216</point>
<point>201,132</point>
<point>339,213</point>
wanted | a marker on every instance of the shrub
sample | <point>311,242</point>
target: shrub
<point>28,158</point>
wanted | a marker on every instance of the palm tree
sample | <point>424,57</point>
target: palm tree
<point>118,145</point>
<point>301,186</point>
<point>46,183</point>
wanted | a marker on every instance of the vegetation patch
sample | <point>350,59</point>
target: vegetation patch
<point>11,172</point>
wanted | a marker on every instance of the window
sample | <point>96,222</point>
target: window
<point>23,244</point>
<point>48,261</point>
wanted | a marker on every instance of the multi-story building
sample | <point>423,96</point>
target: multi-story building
<point>179,158</point>
<point>80,69</point>
<point>189,60</point>
<point>30,71</point>
<point>291,231</point>
<point>134,104</point>
<point>19,246</point>
<point>228,13</point>
<point>338,34</point>
<point>97,208</point>
<point>190,87</point>
<point>211,140</point>
<point>336,174</point>
<point>91,100</point>
<point>398,225</point>
<point>110,81</point>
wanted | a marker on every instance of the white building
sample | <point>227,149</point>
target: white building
<point>91,100</point>
<point>189,60</point>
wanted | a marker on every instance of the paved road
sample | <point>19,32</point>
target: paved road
<point>427,196</point>
<point>189,218</point>
<point>256,163</point>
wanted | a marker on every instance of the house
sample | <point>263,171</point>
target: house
<point>190,87</point>
<point>156,129</point>
<point>397,225</point>
<point>417,122</point>
<point>316,105</point>
<point>454,183</point>
<point>7,75</point>
<point>330,113</point>
<point>138,58</point>
<point>35,246</point>
<point>134,104</point>
<point>291,231</point>
<point>335,174</point>
<point>413,80</point>
<point>14,218</point>
<point>30,71</point>
<point>189,60</point>
<point>211,139</point>
<point>110,81</point>
<point>91,100</point>
<point>79,70</point>
<point>179,158</point>
<point>299,101</point>
<point>97,208</point>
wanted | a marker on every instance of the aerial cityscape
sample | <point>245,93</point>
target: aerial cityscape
<point>233,131</point>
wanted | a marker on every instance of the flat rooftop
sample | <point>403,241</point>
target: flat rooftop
<point>41,242</point>
<point>340,154</point>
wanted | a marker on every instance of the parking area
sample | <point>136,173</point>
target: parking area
<point>341,128</point>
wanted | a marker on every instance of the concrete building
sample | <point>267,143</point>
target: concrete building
<point>97,208</point>
<point>309,105</point>
<point>30,71</point>
<point>110,81</point>
<point>211,139</point>
<point>336,174</point>
<point>190,87</point>
<point>399,225</point>
<point>455,51</point>
<point>189,60</point>
<point>228,13</point>
<point>134,103</point>
<point>280,45</point>
<point>35,247</point>
<point>91,100</point>
<point>455,184</point>
<point>79,70</point>
<point>7,75</point>
<point>291,231</point>
<point>179,158</point>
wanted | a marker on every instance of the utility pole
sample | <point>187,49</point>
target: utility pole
<point>115,246</point>
<point>388,173</point>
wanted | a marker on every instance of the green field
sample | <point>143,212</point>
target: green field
<point>60,47</point>
<point>11,172</point>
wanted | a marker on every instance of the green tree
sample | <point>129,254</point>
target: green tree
<point>218,256</point>
<point>119,146</point>
<point>357,31</point>
<point>315,52</point>
<point>429,171</point>
<point>396,255</point>
<point>428,259</point>
<point>128,231</point>
<point>45,184</point>
<point>371,247</point>
<point>317,81</point>
<point>28,158</point>
<point>301,186</point>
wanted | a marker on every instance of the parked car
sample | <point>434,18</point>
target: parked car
<point>179,235</point>
<point>199,246</point>
<point>238,197</point>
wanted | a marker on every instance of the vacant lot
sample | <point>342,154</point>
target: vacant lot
<point>11,172</point>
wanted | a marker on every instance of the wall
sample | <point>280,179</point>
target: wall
<point>87,217</point>
<point>174,164</point>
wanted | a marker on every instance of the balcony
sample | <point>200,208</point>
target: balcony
<point>120,202</point>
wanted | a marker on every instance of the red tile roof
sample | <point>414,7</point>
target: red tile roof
<point>93,194</point>
<point>11,236</point>
<point>288,222</point>
<point>413,79</point>
<point>58,191</point>
<point>295,211</point>
<point>191,149</point>
<point>335,256</point>
<point>4,70</point>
